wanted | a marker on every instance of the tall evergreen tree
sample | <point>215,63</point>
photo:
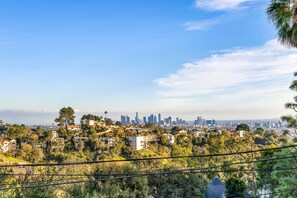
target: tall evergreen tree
<point>66,117</point>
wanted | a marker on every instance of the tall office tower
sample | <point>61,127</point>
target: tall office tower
<point>159,118</point>
<point>123,119</point>
<point>177,120</point>
<point>199,120</point>
<point>151,119</point>
<point>170,120</point>
<point>137,119</point>
<point>128,120</point>
<point>144,120</point>
<point>155,119</point>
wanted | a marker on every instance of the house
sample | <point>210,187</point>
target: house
<point>73,128</point>
<point>217,189</point>
<point>182,131</point>
<point>80,140</point>
<point>138,142</point>
<point>198,133</point>
<point>108,141</point>
<point>92,123</point>
<point>170,137</point>
<point>7,145</point>
<point>238,134</point>
<point>142,142</point>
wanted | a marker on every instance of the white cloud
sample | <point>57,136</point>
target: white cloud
<point>238,78</point>
<point>221,4</point>
<point>202,24</point>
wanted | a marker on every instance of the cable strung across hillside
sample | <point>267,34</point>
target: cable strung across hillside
<point>142,175</point>
<point>189,170</point>
<point>150,174</point>
<point>147,159</point>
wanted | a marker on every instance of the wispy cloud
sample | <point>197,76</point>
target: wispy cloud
<point>242,77</point>
<point>213,5</point>
<point>202,24</point>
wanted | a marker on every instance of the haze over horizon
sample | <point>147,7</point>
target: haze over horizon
<point>182,58</point>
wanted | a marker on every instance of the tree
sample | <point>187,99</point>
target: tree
<point>243,127</point>
<point>66,117</point>
<point>283,14</point>
<point>105,113</point>
<point>235,187</point>
<point>85,118</point>
<point>286,180</point>
<point>293,87</point>
<point>1,122</point>
<point>291,120</point>
<point>108,121</point>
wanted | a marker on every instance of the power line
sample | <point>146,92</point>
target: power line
<point>132,173</point>
<point>147,174</point>
<point>146,159</point>
<point>135,175</point>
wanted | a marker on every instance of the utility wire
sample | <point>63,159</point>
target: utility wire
<point>132,176</point>
<point>146,159</point>
<point>132,173</point>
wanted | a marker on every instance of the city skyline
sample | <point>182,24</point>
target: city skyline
<point>177,58</point>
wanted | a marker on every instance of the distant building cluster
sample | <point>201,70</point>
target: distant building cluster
<point>201,121</point>
<point>153,119</point>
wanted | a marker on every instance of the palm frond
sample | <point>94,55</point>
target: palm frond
<point>283,14</point>
<point>293,85</point>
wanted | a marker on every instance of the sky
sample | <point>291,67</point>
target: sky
<point>216,58</point>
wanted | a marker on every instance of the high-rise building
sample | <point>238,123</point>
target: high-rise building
<point>155,119</point>
<point>199,120</point>
<point>137,119</point>
<point>144,120</point>
<point>151,119</point>
<point>125,119</point>
<point>128,120</point>
<point>159,118</point>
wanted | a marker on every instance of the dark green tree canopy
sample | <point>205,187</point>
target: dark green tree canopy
<point>88,117</point>
<point>283,14</point>
<point>243,127</point>
<point>235,187</point>
<point>66,117</point>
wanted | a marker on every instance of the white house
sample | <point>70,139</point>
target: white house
<point>142,142</point>
<point>7,145</point>
<point>91,123</point>
<point>138,142</point>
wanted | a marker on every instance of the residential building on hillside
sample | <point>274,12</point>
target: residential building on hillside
<point>170,137</point>
<point>217,189</point>
<point>108,141</point>
<point>7,145</point>
<point>91,123</point>
<point>80,141</point>
<point>142,142</point>
<point>73,127</point>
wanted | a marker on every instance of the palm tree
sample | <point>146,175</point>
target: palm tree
<point>105,112</point>
<point>293,105</point>
<point>291,121</point>
<point>283,14</point>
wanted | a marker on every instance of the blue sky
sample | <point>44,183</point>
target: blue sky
<point>215,58</point>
